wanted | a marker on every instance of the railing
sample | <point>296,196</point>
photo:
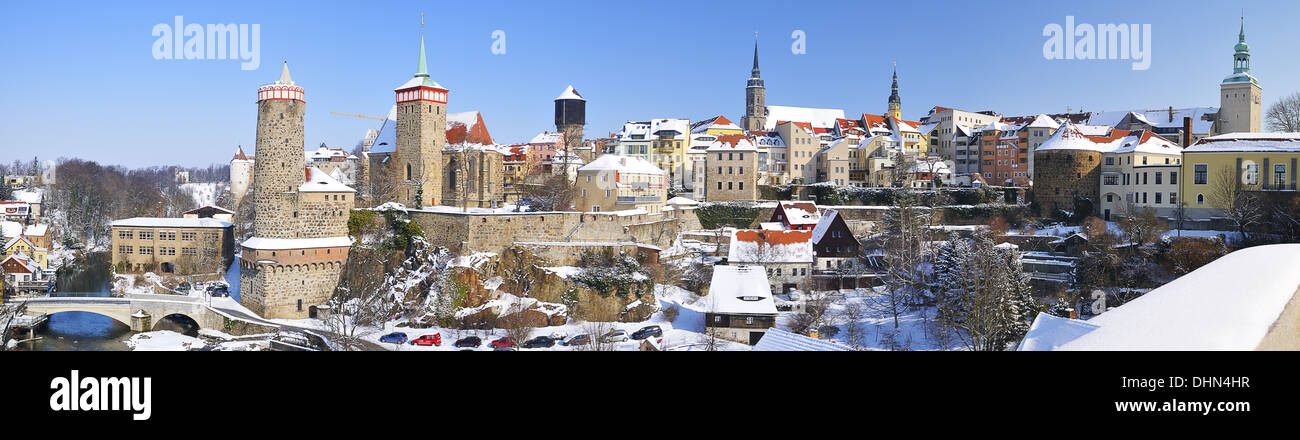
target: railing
<point>1278,187</point>
<point>637,199</point>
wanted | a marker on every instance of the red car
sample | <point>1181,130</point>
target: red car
<point>427,340</point>
<point>505,342</point>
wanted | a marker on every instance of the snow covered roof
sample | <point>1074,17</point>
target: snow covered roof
<point>679,200</point>
<point>262,243</point>
<point>800,213</point>
<point>29,195</point>
<point>717,122</point>
<point>1071,137</point>
<point>1242,142</point>
<point>24,262</point>
<point>386,140</point>
<point>622,164</point>
<point>1043,121</point>
<point>1203,310</point>
<point>161,222</point>
<point>320,181</point>
<point>1160,118</point>
<point>662,127</point>
<point>326,153</point>
<point>766,246</point>
<point>818,117</point>
<point>824,225</point>
<point>10,229</point>
<point>570,93</point>
<point>37,229</point>
<point>548,137</point>
<point>740,290</point>
<point>732,142</point>
<point>776,339</point>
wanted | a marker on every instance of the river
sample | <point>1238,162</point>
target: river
<point>84,331</point>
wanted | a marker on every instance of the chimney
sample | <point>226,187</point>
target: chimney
<point>1171,113</point>
<point>1187,131</point>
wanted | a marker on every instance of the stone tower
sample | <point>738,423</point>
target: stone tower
<point>1239,93</point>
<point>421,136</point>
<point>895,103</point>
<point>241,175</point>
<point>292,263</point>
<point>278,167</point>
<point>755,98</point>
<point>570,117</point>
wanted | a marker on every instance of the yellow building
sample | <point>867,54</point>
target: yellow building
<point>620,183</point>
<point>669,142</point>
<point>1215,165</point>
<point>21,245</point>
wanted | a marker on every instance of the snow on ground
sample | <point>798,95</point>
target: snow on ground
<point>683,333</point>
<point>204,194</point>
<point>165,340</point>
<point>876,326</point>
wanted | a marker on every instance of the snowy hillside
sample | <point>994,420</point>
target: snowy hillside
<point>204,193</point>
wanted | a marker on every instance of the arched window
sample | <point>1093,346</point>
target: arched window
<point>408,171</point>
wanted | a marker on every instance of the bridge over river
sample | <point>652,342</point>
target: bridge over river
<point>142,311</point>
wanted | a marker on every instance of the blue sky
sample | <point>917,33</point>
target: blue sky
<point>80,80</point>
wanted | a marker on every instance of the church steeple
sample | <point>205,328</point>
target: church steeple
<point>895,102</point>
<point>1241,52</point>
<point>755,97</point>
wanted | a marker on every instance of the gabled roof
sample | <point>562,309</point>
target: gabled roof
<point>740,290</point>
<point>201,208</point>
<point>799,213</point>
<point>320,181</point>
<point>732,142</point>
<point>818,117</point>
<point>24,262</point>
<point>767,246</point>
<point>467,127</point>
<point>239,154</point>
<point>823,225</point>
<point>776,339</point>
<point>622,164</point>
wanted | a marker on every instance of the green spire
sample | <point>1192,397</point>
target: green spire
<point>1241,37</point>
<point>422,69</point>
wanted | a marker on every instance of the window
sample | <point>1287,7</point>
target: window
<point>1250,174</point>
<point>1279,175</point>
<point>1173,177</point>
<point>1158,179</point>
<point>1200,199</point>
<point>1173,198</point>
<point>1157,198</point>
<point>1200,173</point>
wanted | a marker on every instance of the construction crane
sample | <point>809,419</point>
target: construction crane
<point>359,116</point>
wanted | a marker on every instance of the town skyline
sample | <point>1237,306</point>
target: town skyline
<point>1190,55</point>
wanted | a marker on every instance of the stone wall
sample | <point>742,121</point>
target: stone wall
<point>1059,175</point>
<point>474,232</point>
<point>312,284</point>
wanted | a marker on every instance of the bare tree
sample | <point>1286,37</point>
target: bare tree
<point>1284,115</point>
<point>555,193</point>
<point>515,322</point>
<point>360,300</point>
<point>850,317</point>
<point>1243,208</point>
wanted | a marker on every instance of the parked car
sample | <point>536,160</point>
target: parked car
<point>540,342</point>
<point>218,290</point>
<point>427,340</point>
<point>394,338</point>
<point>468,342</point>
<point>183,287</point>
<point>558,336</point>
<point>582,339</point>
<point>615,336</point>
<point>648,331</point>
<point>504,342</point>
